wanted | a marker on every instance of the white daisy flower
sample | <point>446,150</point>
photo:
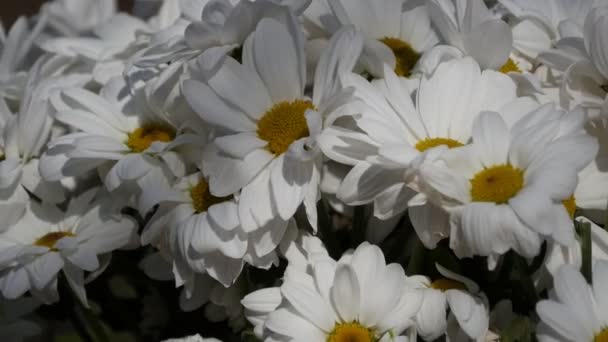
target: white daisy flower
<point>453,297</point>
<point>472,28</point>
<point>47,240</point>
<point>22,141</point>
<point>302,251</point>
<point>397,32</point>
<point>204,234</point>
<point>506,190</point>
<point>129,136</point>
<point>209,31</point>
<point>584,61</point>
<point>575,311</point>
<point>270,151</point>
<point>397,134</point>
<point>556,18</point>
<point>558,255</point>
<point>15,50</point>
<point>73,17</point>
<point>339,301</point>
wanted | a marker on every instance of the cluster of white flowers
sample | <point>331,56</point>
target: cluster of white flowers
<point>233,135</point>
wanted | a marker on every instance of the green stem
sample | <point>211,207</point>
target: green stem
<point>326,230</point>
<point>416,262</point>
<point>359,224</point>
<point>586,251</point>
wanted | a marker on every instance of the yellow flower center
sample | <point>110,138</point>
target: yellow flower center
<point>405,56</point>
<point>509,66</point>
<point>351,332</point>
<point>570,205</point>
<point>140,139</point>
<point>50,239</point>
<point>283,124</point>
<point>497,184</point>
<point>602,336</point>
<point>202,199</point>
<point>445,284</point>
<point>427,143</point>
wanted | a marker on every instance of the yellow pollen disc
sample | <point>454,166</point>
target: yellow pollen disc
<point>445,284</point>
<point>49,240</point>
<point>283,124</point>
<point>427,143</point>
<point>602,336</point>
<point>509,66</point>
<point>202,199</point>
<point>405,55</point>
<point>497,184</point>
<point>351,332</point>
<point>570,205</point>
<point>140,139</point>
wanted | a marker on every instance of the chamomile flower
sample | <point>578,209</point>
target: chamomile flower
<point>555,18</point>
<point>204,234</point>
<point>24,137</point>
<point>269,149</point>
<point>47,240</point>
<point>558,255</point>
<point>452,297</point>
<point>471,29</point>
<point>507,191</point>
<point>339,301</point>
<point>15,51</point>
<point>397,32</point>
<point>583,61</point>
<point>395,134</point>
<point>575,311</point>
<point>73,17</point>
<point>129,136</point>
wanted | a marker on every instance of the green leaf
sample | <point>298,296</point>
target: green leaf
<point>520,330</point>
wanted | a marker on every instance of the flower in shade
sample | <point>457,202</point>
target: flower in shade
<point>47,240</point>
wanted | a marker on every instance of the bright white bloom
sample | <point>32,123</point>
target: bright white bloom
<point>270,150</point>
<point>575,311</point>
<point>506,189</point>
<point>397,32</point>
<point>341,301</point>
<point>584,61</point>
<point>47,240</point>
<point>467,305</point>
<point>397,134</point>
<point>204,234</point>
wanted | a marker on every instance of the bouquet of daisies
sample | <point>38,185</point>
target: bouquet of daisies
<point>305,170</point>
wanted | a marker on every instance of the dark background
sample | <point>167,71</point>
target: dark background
<point>10,10</point>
